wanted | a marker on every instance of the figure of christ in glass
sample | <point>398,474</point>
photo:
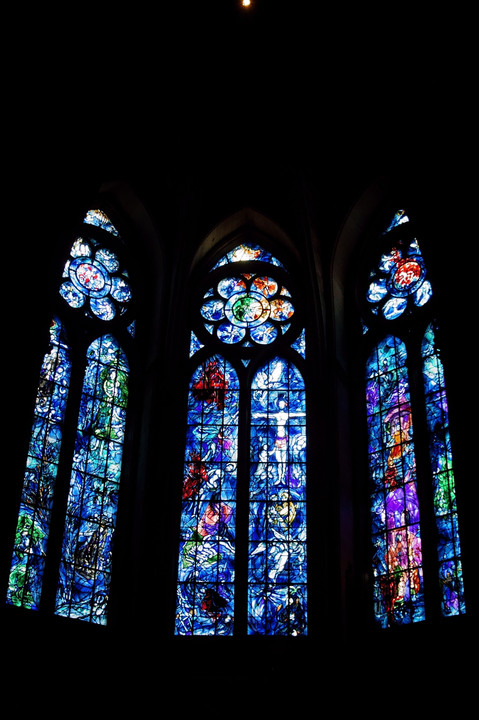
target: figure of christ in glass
<point>26,575</point>
<point>85,568</point>
<point>444,491</point>
<point>277,514</point>
<point>397,554</point>
<point>205,589</point>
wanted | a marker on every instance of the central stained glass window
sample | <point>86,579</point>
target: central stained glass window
<point>246,436</point>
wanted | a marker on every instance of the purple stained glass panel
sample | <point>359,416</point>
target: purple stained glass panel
<point>396,535</point>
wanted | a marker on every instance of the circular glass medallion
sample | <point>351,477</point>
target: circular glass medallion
<point>103,308</point>
<point>394,307</point>
<point>281,309</point>
<point>406,277</point>
<point>265,285</point>
<point>264,334</point>
<point>230,334</point>
<point>247,309</point>
<point>74,297</point>
<point>230,285</point>
<point>109,259</point>
<point>89,277</point>
<point>212,310</point>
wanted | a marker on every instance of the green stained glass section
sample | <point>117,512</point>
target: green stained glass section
<point>444,490</point>
<point>30,547</point>
<point>87,550</point>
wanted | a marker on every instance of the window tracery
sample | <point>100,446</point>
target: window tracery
<point>95,285</point>
<point>397,289</point>
<point>246,306</point>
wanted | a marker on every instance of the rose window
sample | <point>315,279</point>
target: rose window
<point>94,280</point>
<point>399,280</point>
<point>247,307</point>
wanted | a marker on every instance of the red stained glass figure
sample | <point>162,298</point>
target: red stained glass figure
<point>212,386</point>
<point>196,475</point>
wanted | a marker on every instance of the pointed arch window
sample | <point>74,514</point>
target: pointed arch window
<point>74,461</point>
<point>410,456</point>
<point>242,558</point>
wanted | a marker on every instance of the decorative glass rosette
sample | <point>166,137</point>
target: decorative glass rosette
<point>247,307</point>
<point>399,281</point>
<point>94,280</point>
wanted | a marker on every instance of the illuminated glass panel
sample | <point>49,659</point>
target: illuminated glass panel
<point>100,219</point>
<point>400,217</point>
<point>85,568</point>
<point>26,575</point>
<point>247,308</point>
<point>94,280</point>
<point>397,557</point>
<point>399,281</point>
<point>445,506</point>
<point>247,252</point>
<point>205,592</point>
<point>277,516</point>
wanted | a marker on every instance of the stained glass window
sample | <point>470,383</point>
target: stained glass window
<point>245,308</point>
<point>444,490</point>
<point>96,285</point>
<point>30,548</point>
<point>399,281</point>
<point>277,514</point>
<point>397,288</point>
<point>94,280</point>
<point>207,547</point>
<point>397,560</point>
<point>85,569</point>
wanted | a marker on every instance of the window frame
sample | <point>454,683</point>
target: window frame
<point>204,276</point>
<point>410,328</point>
<point>81,332</point>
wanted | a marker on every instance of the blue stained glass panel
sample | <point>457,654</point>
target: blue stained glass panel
<point>445,505</point>
<point>99,218</point>
<point>206,571</point>
<point>277,592</point>
<point>26,574</point>
<point>397,548</point>
<point>85,568</point>
<point>246,252</point>
<point>399,218</point>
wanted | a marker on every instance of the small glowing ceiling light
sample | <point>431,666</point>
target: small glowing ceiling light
<point>246,3</point>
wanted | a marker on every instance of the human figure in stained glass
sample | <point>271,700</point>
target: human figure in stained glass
<point>281,418</point>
